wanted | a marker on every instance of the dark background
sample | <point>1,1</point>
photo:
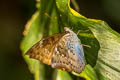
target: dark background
<point>15,13</point>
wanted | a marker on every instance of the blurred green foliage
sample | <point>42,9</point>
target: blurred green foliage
<point>102,59</point>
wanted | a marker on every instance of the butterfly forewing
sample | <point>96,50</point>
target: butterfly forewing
<point>43,49</point>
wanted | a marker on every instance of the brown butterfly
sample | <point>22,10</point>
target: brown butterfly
<point>62,51</point>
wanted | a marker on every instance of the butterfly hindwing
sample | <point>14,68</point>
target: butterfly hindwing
<point>43,49</point>
<point>68,54</point>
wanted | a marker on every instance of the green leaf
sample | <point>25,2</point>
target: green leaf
<point>107,66</point>
<point>61,75</point>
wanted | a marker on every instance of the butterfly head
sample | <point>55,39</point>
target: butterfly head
<point>67,30</point>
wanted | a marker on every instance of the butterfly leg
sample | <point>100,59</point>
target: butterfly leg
<point>82,31</point>
<point>86,45</point>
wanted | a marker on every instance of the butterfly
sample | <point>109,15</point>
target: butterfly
<point>62,51</point>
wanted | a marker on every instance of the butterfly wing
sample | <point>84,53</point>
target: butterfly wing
<point>68,54</point>
<point>43,49</point>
